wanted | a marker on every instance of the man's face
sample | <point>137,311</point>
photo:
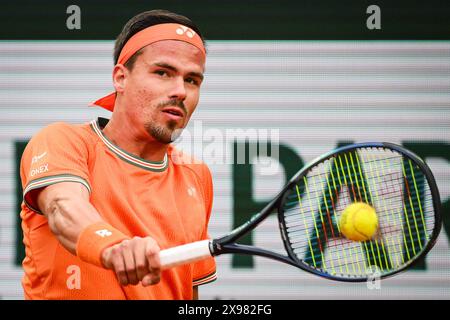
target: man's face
<point>162,90</point>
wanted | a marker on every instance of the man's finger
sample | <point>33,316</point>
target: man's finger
<point>152,255</point>
<point>151,279</point>
<point>119,265</point>
<point>140,259</point>
<point>128,254</point>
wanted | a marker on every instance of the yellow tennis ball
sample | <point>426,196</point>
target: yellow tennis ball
<point>359,222</point>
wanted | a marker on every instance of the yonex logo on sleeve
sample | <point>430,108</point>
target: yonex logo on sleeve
<point>103,233</point>
<point>185,30</point>
<point>41,169</point>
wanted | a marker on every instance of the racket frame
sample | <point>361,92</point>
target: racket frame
<point>226,244</point>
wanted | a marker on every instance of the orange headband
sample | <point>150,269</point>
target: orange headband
<point>165,31</point>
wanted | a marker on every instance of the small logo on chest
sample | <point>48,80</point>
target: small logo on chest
<point>191,191</point>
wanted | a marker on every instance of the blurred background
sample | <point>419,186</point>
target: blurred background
<point>311,71</point>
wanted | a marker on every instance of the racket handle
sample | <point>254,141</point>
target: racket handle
<point>183,254</point>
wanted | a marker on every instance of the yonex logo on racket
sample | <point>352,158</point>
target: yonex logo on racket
<point>103,233</point>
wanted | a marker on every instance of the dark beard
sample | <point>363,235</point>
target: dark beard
<point>166,134</point>
<point>162,134</point>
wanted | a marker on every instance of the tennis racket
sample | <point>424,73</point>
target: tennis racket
<point>394,181</point>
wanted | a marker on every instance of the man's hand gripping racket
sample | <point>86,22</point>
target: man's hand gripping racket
<point>359,207</point>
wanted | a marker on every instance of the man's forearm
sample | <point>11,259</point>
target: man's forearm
<point>68,211</point>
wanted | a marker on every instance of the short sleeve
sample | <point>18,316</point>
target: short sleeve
<point>58,153</point>
<point>204,271</point>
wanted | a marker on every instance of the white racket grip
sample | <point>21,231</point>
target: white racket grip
<point>183,254</point>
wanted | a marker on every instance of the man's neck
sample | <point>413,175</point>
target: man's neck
<point>126,137</point>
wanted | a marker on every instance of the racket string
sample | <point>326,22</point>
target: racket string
<point>398,191</point>
<point>296,221</point>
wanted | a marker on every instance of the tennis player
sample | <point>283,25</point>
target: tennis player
<point>102,199</point>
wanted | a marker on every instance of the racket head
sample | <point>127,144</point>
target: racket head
<point>395,181</point>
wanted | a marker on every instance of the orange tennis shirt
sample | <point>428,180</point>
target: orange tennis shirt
<point>169,200</point>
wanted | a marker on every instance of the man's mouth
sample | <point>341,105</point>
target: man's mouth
<point>174,111</point>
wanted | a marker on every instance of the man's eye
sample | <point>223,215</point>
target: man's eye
<point>161,73</point>
<point>192,81</point>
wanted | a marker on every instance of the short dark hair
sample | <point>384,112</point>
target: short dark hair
<point>144,20</point>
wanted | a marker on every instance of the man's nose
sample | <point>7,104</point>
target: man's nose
<point>178,90</point>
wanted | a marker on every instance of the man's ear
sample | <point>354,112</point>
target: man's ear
<point>120,74</point>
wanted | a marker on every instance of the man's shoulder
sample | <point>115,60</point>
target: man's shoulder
<point>64,130</point>
<point>63,136</point>
<point>66,126</point>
